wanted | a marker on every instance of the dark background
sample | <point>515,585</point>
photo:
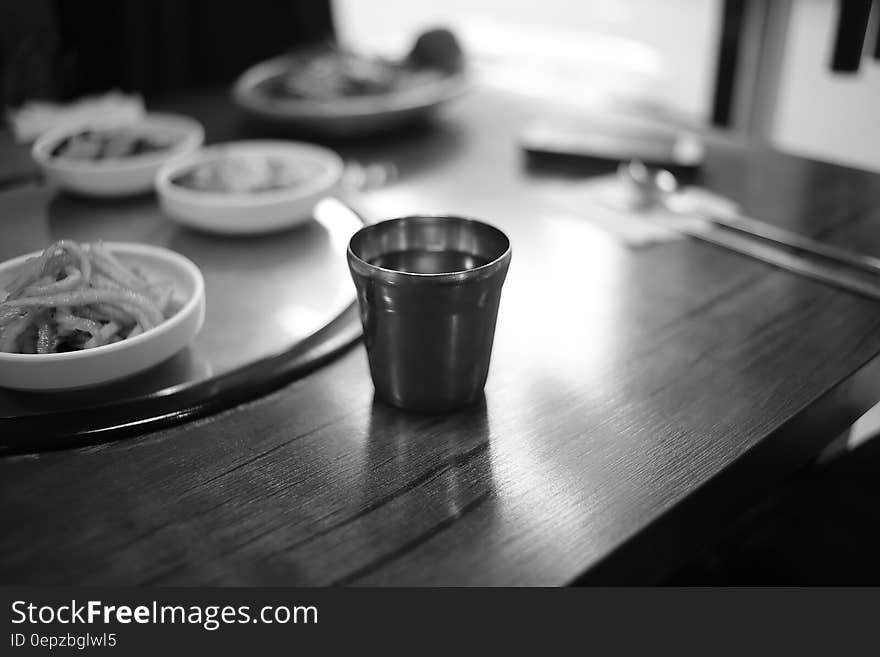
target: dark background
<point>52,49</point>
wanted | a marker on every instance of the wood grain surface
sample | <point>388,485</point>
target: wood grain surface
<point>637,398</point>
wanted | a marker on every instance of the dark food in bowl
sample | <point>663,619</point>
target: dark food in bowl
<point>248,174</point>
<point>330,73</point>
<point>112,143</point>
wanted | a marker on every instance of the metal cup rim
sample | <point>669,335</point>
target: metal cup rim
<point>450,276</point>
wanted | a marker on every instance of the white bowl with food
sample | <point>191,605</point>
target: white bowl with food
<point>110,159</point>
<point>79,315</point>
<point>248,187</point>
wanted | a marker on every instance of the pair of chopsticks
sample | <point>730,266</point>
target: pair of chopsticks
<point>815,266</point>
<point>801,255</point>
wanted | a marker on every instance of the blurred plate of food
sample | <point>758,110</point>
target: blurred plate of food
<point>115,159</point>
<point>78,315</point>
<point>248,187</point>
<point>332,91</point>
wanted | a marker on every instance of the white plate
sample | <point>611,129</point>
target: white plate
<point>89,367</point>
<point>121,176</point>
<point>343,117</point>
<point>249,212</point>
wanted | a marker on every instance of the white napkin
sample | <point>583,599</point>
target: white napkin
<point>36,117</point>
<point>607,203</point>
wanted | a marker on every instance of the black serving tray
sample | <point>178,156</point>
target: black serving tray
<point>277,308</point>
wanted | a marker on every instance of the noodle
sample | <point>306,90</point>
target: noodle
<point>44,337</point>
<point>12,331</point>
<point>72,281</point>
<point>74,297</point>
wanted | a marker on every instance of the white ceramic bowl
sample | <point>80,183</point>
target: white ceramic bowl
<point>342,117</point>
<point>89,367</point>
<point>121,176</point>
<point>249,212</point>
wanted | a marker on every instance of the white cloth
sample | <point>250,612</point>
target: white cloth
<point>36,117</point>
<point>606,203</point>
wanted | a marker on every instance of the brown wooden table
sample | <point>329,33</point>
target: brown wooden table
<point>637,400</point>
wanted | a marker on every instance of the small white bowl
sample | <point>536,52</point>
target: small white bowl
<point>248,212</point>
<point>119,176</point>
<point>89,367</point>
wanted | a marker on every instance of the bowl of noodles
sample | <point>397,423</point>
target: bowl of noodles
<point>77,315</point>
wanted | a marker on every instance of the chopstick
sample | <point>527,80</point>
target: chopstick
<point>788,261</point>
<point>795,241</point>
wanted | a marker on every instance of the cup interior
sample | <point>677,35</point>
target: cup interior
<point>475,243</point>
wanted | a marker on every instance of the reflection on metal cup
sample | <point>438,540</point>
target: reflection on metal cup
<point>428,289</point>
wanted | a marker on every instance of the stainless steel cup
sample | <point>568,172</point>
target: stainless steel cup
<point>429,335</point>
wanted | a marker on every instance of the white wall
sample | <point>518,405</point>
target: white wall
<point>661,51</point>
<point>830,117</point>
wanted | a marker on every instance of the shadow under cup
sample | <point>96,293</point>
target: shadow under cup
<point>428,288</point>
